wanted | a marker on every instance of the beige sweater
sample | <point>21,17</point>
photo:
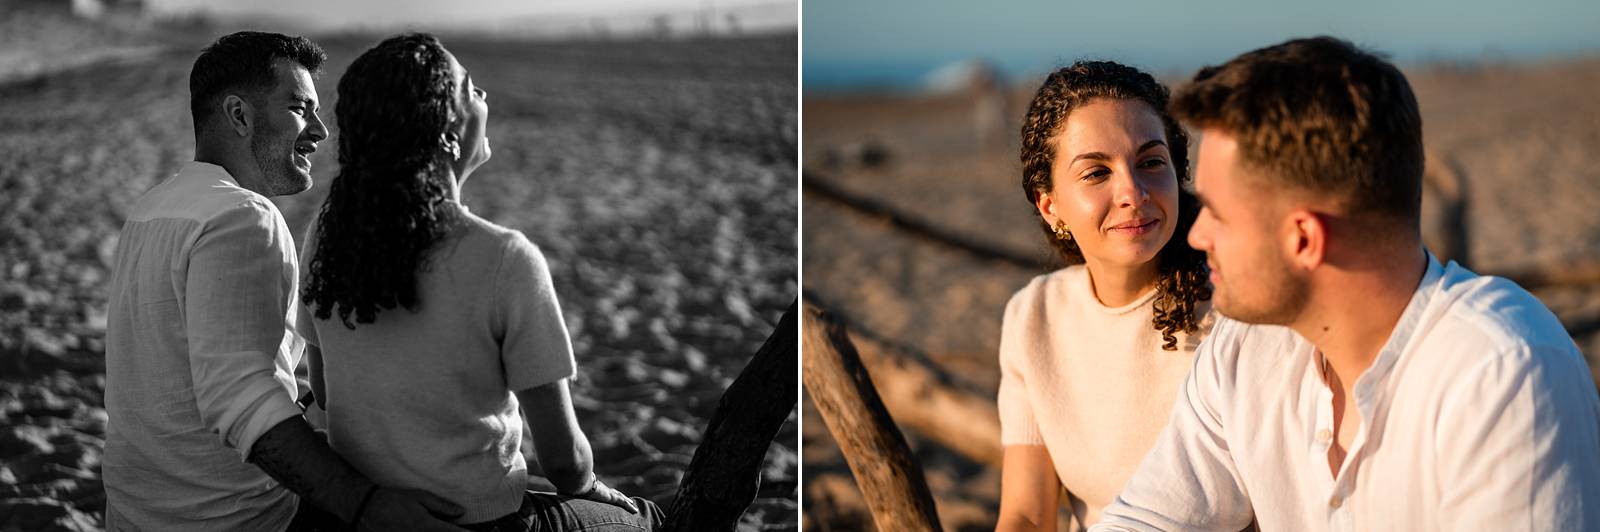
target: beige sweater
<point>1089,382</point>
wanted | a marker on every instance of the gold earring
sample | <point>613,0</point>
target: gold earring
<point>1062,232</point>
<point>455,150</point>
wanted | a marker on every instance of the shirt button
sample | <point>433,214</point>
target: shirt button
<point>1323,436</point>
<point>1335,502</point>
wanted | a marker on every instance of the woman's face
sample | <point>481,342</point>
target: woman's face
<point>1114,184</point>
<point>473,106</point>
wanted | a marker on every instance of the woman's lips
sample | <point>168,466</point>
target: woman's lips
<point>1135,227</point>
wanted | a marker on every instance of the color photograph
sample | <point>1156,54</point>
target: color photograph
<point>990,346</point>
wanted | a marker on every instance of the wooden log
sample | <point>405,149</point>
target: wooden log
<point>824,188</point>
<point>889,478</point>
<point>724,476</point>
<point>925,399</point>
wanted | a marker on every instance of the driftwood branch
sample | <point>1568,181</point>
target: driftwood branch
<point>924,397</point>
<point>889,478</point>
<point>725,473</point>
<point>921,397</point>
<point>863,204</point>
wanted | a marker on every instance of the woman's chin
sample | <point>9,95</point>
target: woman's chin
<point>1133,255</point>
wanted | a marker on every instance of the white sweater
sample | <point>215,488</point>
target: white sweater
<point>1089,382</point>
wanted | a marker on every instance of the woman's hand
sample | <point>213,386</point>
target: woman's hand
<point>599,492</point>
<point>562,449</point>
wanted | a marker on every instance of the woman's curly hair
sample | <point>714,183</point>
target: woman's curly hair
<point>388,204</point>
<point>1182,283</point>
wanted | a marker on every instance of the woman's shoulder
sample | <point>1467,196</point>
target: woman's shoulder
<point>1048,288</point>
<point>482,239</point>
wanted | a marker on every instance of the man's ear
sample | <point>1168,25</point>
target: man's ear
<point>238,114</point>
<point>1306,238</point>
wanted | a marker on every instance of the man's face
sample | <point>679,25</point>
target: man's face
<point>1240,229</point>
<point>286,130</point>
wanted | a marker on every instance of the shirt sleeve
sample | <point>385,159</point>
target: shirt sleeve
<point>1017,424</point>
<point>534,347</point>
<point>1518,444</point>
<point>234,310</point>
<point>305,323</point>
<point>1189,481</point>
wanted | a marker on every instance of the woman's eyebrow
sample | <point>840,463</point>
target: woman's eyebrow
<point>1152,144</point>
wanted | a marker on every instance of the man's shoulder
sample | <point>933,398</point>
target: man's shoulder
<point>203,200</point>
<point>1491,313</point>
<point>1230,337</point>
<point>1484,319</point>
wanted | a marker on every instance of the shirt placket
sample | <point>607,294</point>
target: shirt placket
<point>1336,489</point>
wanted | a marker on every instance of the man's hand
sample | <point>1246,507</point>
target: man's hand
<point>397,509</point>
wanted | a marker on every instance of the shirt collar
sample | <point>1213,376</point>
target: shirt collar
<point>208,172</point>
<point>1404,329</point>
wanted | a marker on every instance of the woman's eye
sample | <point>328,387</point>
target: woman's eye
<point>1153,163</point>
<point>1098,173</point>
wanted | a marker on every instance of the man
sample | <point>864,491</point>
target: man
<point>200,353</point>
<point>1357,383</point>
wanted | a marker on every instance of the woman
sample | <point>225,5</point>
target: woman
<point>1092,355</point>
<point>432,324</point>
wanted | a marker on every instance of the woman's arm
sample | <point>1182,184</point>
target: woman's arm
<point>562,448</point>
<point>1028,490</point>
<point>319,385</point>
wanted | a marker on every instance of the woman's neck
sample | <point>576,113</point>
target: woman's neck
<point>453,187</point>
<point>1118,285</point>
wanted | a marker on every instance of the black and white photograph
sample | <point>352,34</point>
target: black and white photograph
<point>399,265</point>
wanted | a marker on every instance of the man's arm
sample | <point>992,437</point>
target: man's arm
<point>1188,481</point>
<point>235,303</point>
<point>298,458</point>
<point>1518,442</point>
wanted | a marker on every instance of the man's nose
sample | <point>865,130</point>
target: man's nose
<point>1198,239</point>
<point>317,129</point>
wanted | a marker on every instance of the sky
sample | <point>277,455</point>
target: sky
<point>341,14</point>
<point>850,43</point>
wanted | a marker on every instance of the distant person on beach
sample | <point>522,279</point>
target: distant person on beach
<point>432,330</point>
<point>1354,383</point>
<point>204,433</point>
<point>1092,355</point>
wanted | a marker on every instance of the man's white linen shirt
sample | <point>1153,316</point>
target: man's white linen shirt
<point>1479,413</point>
<point>199,357</point>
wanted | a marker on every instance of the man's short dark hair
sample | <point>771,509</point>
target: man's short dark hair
<point>1322,116</point>
<point>243,62</point>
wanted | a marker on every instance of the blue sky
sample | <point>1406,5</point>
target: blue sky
<point>850,43</point>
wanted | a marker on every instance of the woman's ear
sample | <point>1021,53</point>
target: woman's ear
<point>1047,207</point>
<point>451,142</point>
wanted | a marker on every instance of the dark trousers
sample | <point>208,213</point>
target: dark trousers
<point>540,512</point>
<point>548,512</point>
